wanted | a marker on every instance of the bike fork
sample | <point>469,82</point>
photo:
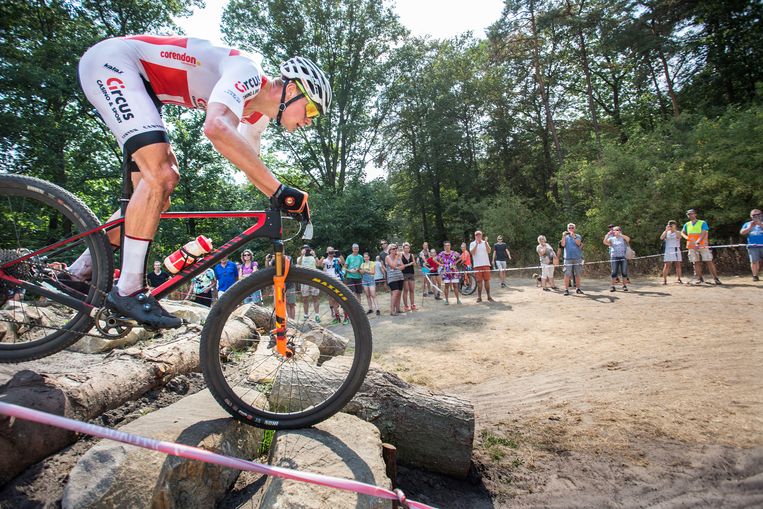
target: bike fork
<point>279,289</point>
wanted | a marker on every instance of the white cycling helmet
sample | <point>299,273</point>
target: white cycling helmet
<point>311,78</point>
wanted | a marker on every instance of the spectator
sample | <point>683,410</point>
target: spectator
<point>394,279</point>
<point>754,231</point>
<point>353,277</point>
<point>696,233</point>
<point>466,263</point>
<point>434,272</point>
<point>203,288</point>
<point>501,256</point>
<point>672,251</point>
<point>368,273</point>
<point>618,245</point>
<point>547,258</point>
<point>409,278</point>
<point>421,260</point>
<point>572,244</point>
<point>379,277</point>
<point>247,268</point>
<point>606,236</point>
<point>333,268</point>
<point>226,273</point>
<point>480,250</point>
<point>449,260</point>
<point>383,256</point>
<point>157,276</point>
<point>308,259</point>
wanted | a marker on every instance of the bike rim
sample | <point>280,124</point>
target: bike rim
<point>330,358</point>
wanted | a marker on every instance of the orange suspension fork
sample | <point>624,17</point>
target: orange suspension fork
<point>279,286</point>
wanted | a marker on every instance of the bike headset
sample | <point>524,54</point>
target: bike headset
<point>312,79</point>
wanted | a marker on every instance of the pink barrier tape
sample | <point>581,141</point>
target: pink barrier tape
<point>194,453</point>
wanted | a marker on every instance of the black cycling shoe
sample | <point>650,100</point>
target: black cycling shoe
<point>143,308</point>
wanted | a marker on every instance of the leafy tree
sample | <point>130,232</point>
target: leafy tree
<point>351,41</point>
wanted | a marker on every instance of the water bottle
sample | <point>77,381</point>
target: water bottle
<point>187,254</point>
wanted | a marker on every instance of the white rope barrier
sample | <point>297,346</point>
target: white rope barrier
<point>583,262</point>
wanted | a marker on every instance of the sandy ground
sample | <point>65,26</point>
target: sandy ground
<point>652,397</point>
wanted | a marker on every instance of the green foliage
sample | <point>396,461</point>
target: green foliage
<point>351,41</point>
<point>712,165</point>
<point>361,214</point>
<point>519,222</point>
<point>586,111</point>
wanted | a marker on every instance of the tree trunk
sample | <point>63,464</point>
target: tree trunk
<point>587,74</point>
<point>550,125</point>
<point>660,99</point>
<point>542,89</point>
<point>410,417</point>
<point>666,73</point>
<point>420,187</point>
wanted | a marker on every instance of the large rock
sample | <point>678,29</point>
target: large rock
<point>113,474</point>
<point>343,446</point>
<point>431,430</point>
<point>188,311</point>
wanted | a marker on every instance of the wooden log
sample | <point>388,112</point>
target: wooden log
<point>122,377</point>
<point>417,420</point>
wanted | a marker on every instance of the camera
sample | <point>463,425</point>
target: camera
<point>308,251</point>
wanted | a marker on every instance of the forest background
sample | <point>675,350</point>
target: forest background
<point>584,111</point>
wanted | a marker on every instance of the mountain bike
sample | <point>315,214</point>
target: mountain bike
<point>264,367</point>
<point>467,283</point>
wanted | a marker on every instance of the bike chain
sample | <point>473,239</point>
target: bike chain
<point>41,267</point>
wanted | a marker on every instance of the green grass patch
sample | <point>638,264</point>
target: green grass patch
<point>490,440</point>
<point>267,441</point>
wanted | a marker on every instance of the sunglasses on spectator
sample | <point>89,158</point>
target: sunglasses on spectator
<point>311,110</point>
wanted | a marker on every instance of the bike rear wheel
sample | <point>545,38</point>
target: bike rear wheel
<point>258,386</point>
<point>35,214</point>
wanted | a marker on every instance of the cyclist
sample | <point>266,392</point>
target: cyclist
<point>128,79</point>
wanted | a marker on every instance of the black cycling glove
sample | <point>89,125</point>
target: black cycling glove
<point>291,199</point>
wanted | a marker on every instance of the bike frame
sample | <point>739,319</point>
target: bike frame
<point>268,225</point>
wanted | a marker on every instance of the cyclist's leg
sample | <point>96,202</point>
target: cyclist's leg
<point>158,178</point>
<point>111,79</point>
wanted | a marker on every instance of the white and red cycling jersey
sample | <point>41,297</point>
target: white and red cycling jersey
<point>125,77</point>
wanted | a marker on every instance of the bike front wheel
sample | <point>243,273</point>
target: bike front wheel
<point>327,331</point>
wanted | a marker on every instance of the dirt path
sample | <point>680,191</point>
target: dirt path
<point>618,399</point>
<point>654,397</point>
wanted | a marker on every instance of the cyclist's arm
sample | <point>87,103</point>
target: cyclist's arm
<point>252,134</point>
<point>221,127</point>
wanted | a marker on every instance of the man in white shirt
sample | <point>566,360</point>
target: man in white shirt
<point>480,250</point>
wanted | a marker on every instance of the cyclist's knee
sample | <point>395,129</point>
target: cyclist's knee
<point>162,179</point>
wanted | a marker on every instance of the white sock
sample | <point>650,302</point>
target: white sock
<point>82,268</point>
<point>133,275</point>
